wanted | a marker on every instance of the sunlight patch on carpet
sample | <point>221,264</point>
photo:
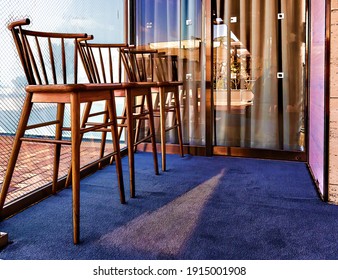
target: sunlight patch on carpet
<point>166,230</point>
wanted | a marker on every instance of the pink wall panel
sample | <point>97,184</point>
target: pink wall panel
<point>317,92</point>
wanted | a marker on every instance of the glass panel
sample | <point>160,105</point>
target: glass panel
<point>106,21</point>
<point>174,27</point>
<point>259,74</point>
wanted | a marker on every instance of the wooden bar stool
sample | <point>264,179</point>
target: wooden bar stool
<point>44,57</point>
<point>166,73</point>
<point>102,62</point>
<point>149,65</point>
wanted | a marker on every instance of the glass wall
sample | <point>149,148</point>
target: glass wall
<point>174,27</point>
<point>105,20</point>
<point>259,74</point>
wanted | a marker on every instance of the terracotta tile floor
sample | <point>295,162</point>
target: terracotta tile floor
<point>34,167</point>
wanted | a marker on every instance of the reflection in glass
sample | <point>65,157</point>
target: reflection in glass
<point>174,27</point>
<point>252,45</point>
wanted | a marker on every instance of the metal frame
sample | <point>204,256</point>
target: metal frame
<point>248,152</point>
<point>209,91</point>
<point>327,70</point>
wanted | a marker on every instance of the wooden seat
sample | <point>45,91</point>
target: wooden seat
<point>145,65</point>
<point>45,57</point>
<point>101,67</point>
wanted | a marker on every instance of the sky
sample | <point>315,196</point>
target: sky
<point>105,21</point>
<point>103,18</point>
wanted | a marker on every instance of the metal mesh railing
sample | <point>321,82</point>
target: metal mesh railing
<point>34,166</point>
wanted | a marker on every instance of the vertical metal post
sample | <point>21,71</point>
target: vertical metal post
<point>280,80</point>
<point>130,21</point>
<point>227,16</point>
<point>207,57</point>
<point>327,70</point>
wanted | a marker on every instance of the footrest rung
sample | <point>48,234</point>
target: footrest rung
<point>171,127</point>
<point>97,114</point>
<point>46,141</point>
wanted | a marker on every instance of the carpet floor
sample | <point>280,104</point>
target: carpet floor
<point>200,208</point>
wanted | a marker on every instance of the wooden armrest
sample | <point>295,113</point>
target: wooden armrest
<point>20,22</point>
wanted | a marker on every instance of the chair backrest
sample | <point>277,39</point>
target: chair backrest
<point>166,67</point>
<point>138,64</point>
<point>47,58</point>
<point>102,62</point>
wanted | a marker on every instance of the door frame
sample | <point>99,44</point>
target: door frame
<point>238,151</point>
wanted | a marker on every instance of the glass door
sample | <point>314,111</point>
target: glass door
<point>259,74</point>
<point>174,27</point>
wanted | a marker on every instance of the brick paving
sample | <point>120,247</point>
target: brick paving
<point>35,164</point>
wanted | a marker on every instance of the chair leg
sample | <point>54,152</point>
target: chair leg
<point>103,136</point>
<point>152,130</point>
<point>138,122</point>
<point>178,121</point>
<point>27,108</point>
<point>162,95</point>
<point>57,150</point>
<point>120,127</point>
<point>112,116</point>
<point>123,121</point>
<point>76,141</point>
<point>85,117</point>
<point>130,143</point>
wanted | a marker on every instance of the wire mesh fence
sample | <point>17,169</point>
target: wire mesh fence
<point>34,167</point>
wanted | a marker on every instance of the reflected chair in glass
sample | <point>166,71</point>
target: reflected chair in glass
<point>49,61</point>
<point>102,62</point>
<point>149,65</point>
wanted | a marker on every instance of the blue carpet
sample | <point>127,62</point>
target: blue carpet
<point>201,208</point>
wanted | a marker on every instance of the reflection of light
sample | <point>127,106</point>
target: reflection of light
<point>149,25</point>
<point>221,30</point>
<point>167,230</point>
<point>185,44</point>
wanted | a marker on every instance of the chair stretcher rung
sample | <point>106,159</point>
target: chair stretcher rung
<point>171,127</point>
<point>108,129</point>
<point>97,114</point>
<point>95,128</point>
<point>103,130</point>
<point>93,123</point>
<point>47,141</point>
<point>142,140</point>
<point>167,109</point>
<point>41,124</point>
<point>139,116</point>
<point>142,118</point>
<point>170,107</point>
